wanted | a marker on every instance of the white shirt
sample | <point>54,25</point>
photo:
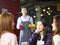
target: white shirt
<point>8,39</point>
<point>23,19</point>
<point>56,39</point>
<point>40,42</point>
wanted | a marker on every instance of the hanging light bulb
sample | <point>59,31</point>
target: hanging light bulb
<point>47,11</point>
<point>44,10</point>
<point>49,14</point>
<point>34,16</point>
<point>36,9</point>
<point>48,8</point>
<point>41,14</point>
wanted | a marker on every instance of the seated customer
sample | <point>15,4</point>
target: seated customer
<point>7,37</point>
<point>40,37</point>
<point>56,30</point>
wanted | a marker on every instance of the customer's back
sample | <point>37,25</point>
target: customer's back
<point>7,37</point>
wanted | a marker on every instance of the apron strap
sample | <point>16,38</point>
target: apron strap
<point>29,18</point>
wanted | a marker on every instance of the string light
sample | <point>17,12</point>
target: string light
<point>44,10</point>
<point>48,8</point>
<point>34,16</point>
<point>36,9</point>
<point>47,11</point>
<point>49,14</point>
<point>41,14</point>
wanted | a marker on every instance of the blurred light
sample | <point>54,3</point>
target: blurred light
<point>34,16</point>
<point>48,8</point>
<point>44,10</point>
<point>41,14</point>
<point>36,9</point>
<point>47,11</point>
<point>49,14</point>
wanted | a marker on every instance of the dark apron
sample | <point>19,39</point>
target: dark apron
<point>25,33</point>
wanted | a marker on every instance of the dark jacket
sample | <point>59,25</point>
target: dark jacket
<point>47,39</point>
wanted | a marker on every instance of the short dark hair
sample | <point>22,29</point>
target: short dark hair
<point>24,7</point>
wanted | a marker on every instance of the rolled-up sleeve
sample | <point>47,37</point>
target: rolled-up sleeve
<point>18,23</point>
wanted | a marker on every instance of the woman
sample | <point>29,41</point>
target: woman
<point>56,30</point>
<point>40,37</point>
<point>7,37</point>
<point>24,20</point>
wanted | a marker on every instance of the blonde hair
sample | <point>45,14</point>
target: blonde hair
<point>6,22</point>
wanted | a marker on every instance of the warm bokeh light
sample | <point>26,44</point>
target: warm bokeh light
<point>49,14</point>
<point>36,9</point>
<point>34,16</point>
<point>44,10</point>
<point>48,8</point>
<point>41,14</point>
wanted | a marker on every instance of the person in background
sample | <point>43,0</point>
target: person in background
<point>40,37</point>
<point>22,24</point>
<point>56,30</point>
<point>7,37</point>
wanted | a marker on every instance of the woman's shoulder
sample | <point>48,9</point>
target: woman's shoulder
<point>56,36</point>
<point>8,35</point>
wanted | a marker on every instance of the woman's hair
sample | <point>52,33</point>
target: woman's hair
<point>45,25</point>
<point>6,23</point>
<point>57,22</point>
<point>43,21</point>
